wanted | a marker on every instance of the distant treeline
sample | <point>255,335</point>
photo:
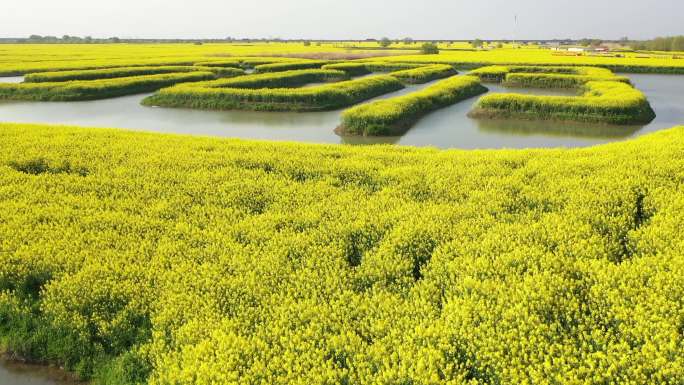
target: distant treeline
<point>671,43</point>
<point>66,39</point>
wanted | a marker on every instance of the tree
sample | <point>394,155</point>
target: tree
<point>678,43</point>
<point>408,40</point>
<point>429,49</point>
<point>307,43</point>
<point>385,42</point>
<point>477,43</point>
<point>670,43</point>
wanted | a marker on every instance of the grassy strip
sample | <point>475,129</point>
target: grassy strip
<point>28,68</point>
<point>602,101</point>
<point>545,76</point>
<point>294,78</point>
<point>539,80</point>
<point>111,73</point>
<point>289,66</point>
<point>393,116</point>
<point>425,74</point>
<point>357,68</point>
<point>222,72</point>
<point>493,74</point>
<point>375,66</point>
<point>319,98</point>
<point>232,63</point>
<point>245,62</point>
<point>626,67</point>
<point>97,89</point>
<point>353,69</point>
<point>639,69</point>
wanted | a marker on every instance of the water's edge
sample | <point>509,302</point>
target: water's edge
<point>18,371</point>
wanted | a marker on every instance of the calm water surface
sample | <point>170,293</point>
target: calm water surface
<point>446,128</point>
<point>12,79</point>
<point>21,374</point>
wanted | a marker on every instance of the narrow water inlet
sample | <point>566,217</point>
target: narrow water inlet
<point>12,79</point>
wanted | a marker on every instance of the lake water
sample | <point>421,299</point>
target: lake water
<point>12,79</point>
<point>445,128</point>
<point>12,373</point>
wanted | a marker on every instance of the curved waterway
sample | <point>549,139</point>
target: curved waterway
<point>446,128</point>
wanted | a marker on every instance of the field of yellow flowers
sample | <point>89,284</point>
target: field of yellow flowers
<point>145,258</point>
<point>26,58</point>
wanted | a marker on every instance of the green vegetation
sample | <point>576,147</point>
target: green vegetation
<point>601,101</point>
<point>275,80</point>
<point>539,80</point>
<point>289,66</point>
<point>496,74</point>
<point>222,72</point>
<point>425,74</point>
<point>376,66</point>
<point>351,68</point>
<point>393,116</point>
<point>13,69</point>
<point>190,261</point>
<point>423,71</point>
<point>429,49</point>
<point>110,73</point>
<point>237,93</point>
<point>545,76</point>
<point>230,63</point>
<point>97,89</point>
<point>245,62</point>
<point>631,63</point>
<point>605,97</point>
<point>671,43</point>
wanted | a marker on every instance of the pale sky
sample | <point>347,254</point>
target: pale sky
<point>344,19</point>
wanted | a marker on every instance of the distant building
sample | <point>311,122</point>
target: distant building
<point>579,49</point>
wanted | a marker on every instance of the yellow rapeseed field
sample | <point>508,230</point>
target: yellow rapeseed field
<point>141,257</point>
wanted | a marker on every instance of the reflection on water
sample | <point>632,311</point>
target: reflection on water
<point>445,128</point>
<point>561,129</point>
<point>12,373</point>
